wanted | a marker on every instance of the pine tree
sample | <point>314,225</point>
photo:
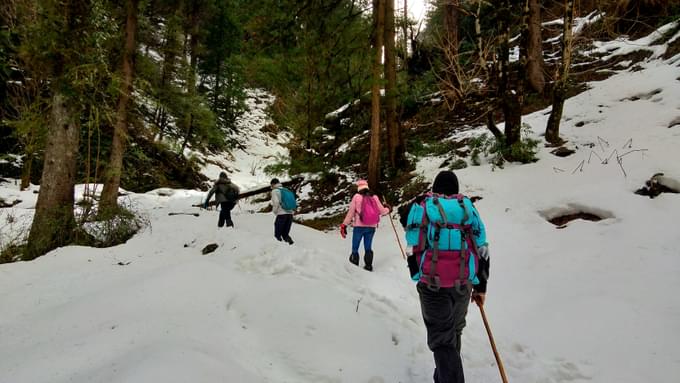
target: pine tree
<point>394,135</point>
<point>109,195</point>
<point>374,155</point>
<point>552,130</point>
<point>62,29</point>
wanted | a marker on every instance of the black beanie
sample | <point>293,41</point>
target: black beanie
<point>445,183</point>
<point>274,181</point>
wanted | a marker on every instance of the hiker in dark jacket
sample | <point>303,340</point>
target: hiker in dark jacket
<point>226,195</point>
<point>284,218</point>
<point>445,284</point>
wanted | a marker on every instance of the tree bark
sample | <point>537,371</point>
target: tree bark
<point>392,125</point>
<point>405,37</point>
<point>54,222</point>
<point>193,69</point>
<point>552,130</point>
<point>109,196</point>
<point>374,154</point>
<point>508,96</point>
<point>535,48</point>
<point>451,41</point>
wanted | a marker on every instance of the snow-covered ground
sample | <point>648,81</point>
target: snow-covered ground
<point>591,302</point>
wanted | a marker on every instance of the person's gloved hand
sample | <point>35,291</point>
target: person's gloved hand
<point>478,298</point>
<point>343,231</point>
<point>483,252</point>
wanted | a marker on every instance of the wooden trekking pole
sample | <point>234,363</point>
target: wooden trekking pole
<point>394,228</point>
<point>493,344</point>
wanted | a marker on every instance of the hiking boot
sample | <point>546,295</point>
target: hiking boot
<point>354,258</point>
<point>368,260</point>
<point>288,239</point>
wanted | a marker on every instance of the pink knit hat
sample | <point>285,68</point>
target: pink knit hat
<point>362,184</point>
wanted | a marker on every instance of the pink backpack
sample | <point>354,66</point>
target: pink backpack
<point>370,213</point>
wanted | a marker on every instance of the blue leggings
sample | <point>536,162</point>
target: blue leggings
<point>360,232</point>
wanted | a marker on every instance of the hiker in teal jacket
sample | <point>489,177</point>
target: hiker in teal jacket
<point>446,284</point>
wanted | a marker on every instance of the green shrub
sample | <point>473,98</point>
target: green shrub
<point>112,227</point>
<point>523,151</point>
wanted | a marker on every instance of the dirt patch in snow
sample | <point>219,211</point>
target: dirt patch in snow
<point>560,217</point>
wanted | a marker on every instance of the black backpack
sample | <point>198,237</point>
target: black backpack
<point>231,194</point>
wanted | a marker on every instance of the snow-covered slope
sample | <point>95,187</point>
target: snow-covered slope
<point>591,302</point>
<point>246,165</point>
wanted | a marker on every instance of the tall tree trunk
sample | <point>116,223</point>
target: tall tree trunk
<point>451,42</point>
<point>374,155</point>
<point>217,89</point>
<point>535,48</point>
<point>54,222</point>
<point>481,60</point>
<point>166,69</point>
<point>26,171</point>
<point>391,123</point>
<point>506,93</point>
<point>193,69</point>
<point>27,163</point>
<point>405,37</point>
<point>109,196</point>
<point>552,130</point>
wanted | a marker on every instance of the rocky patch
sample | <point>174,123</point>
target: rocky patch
<point>658,184</point>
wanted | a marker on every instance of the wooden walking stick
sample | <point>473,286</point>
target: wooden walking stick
<point>493,344</point>
<point>403,254</point>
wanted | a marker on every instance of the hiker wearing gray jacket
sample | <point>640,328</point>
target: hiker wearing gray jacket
<point>284,218</point>
<point>226,195</point>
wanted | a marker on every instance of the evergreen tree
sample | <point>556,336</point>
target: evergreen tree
<point>109,195</point>
<point>67,41</point>
<point>552,130</point>
<point>374,155</point>
<point>221,71</point>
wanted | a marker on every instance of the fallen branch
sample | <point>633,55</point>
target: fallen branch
<point>292,184</point>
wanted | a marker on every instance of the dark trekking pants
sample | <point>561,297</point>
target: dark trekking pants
<point>282,226</point>
<point>444,316</point>
<point>225,214</point>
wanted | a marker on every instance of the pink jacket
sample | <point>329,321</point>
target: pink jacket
<point>355,208</point>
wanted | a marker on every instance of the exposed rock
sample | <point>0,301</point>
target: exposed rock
<point>562,152</point>
<point>209,248</point>
<point>659,184</point>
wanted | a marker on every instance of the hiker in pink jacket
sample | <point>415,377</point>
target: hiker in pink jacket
<point>364,214</point>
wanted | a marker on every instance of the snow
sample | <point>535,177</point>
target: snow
<point>623,45</point>
<point>591,302</point>
<point>246,166</point>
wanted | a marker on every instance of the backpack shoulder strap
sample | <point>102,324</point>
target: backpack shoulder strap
<point>424,223</point>
<point>434,283</point>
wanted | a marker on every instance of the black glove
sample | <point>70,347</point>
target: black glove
<point>413,266</point>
